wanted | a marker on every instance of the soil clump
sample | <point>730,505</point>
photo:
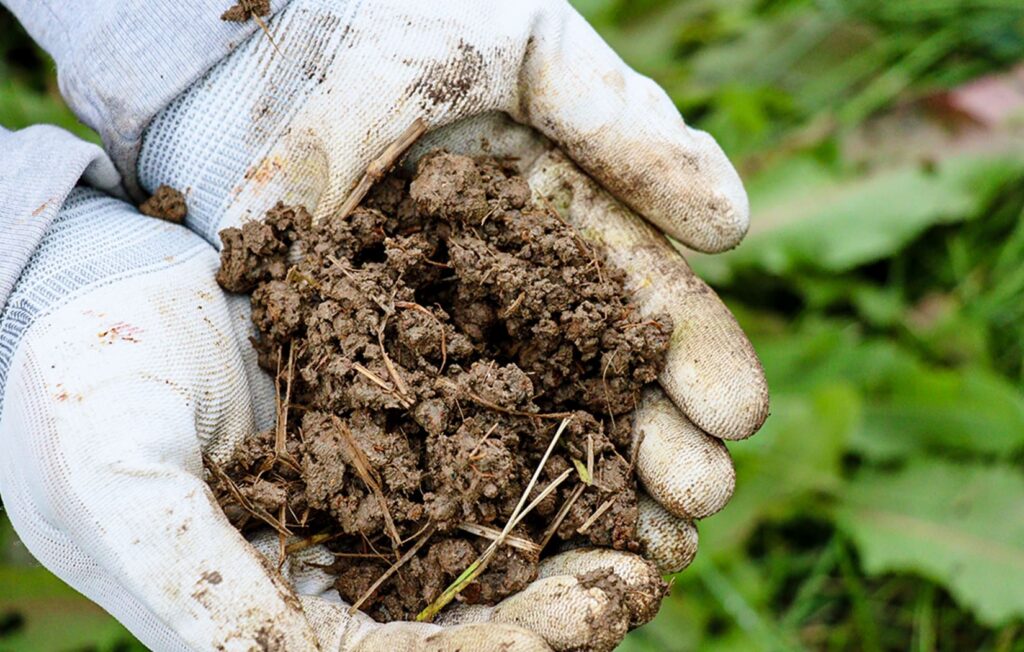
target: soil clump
<point>426,347</point>
<point>166,204</point>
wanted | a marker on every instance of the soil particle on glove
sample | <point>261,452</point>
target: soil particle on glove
<point>166,204</point>
<point>243,10</point>
<point>426,348</point>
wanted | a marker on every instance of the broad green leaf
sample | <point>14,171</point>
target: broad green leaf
<point>22,107</point>
<point>959,525</point>
<point>908,406</point>
<point>52,616</point>
<point>837,226</point>
<point>926,408</point>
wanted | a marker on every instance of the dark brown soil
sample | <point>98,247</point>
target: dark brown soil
<point>426,349</point>
<point>166,204</point>
<point>243,10</point>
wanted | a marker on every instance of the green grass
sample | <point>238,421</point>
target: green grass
<point>881,506</point>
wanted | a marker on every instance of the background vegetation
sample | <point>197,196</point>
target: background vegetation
<point>882,506</point>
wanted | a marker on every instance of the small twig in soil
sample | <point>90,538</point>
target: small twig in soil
<point>280,450</point>
<point>494,406</point>
<point>416,534</point>
<point>493,534</point>
<point>282,541</point>
<point>596,515</point>
<point>403,389</point>
<point>394,567</point>
<point>562,513</point>
<point>483,439</point>
<point>437,264</point>
<point>477,567</point>
<point>377,168</point>
<point>365,471</point>
<point>380,382</point>
<point>590,457</point>
<point>515,305</point>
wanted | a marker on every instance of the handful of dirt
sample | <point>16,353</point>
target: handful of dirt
<point>427,348</point>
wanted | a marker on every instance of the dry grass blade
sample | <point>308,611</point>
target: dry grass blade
<point>590,457</point>
<point>596,515</point>
<point>282,540</point>
<point>479,400</point>
<point>536,474</point>
<point>377,168</point>
<point>429,532</point>
<point>554,484</point>
<point>360,555</point>
<point>344,270</point>
<point>493,533</point>
<point>365,471</point>
<point>266,32</point>
<point>478,566</point>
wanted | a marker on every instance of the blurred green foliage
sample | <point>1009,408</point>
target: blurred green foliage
<point>28,84</point>
<point>882,505</point>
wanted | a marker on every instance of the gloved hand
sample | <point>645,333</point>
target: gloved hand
<point>124,363</point>
<point>108,491</point>
<point>298,113</point>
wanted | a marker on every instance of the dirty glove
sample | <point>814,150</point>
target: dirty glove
<point>122,363</point>
<point>298,113</point>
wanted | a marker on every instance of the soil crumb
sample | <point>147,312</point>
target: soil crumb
<point>243,10</point>
<point>425,349</point>
<point>165,204</point>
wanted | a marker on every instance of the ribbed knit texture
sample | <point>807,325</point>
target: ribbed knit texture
<point>119,63</point>
<point>39,167</point>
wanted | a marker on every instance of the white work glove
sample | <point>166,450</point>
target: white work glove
<point>107,489</point>
<point>298,113</point>
<point>125,363</point>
